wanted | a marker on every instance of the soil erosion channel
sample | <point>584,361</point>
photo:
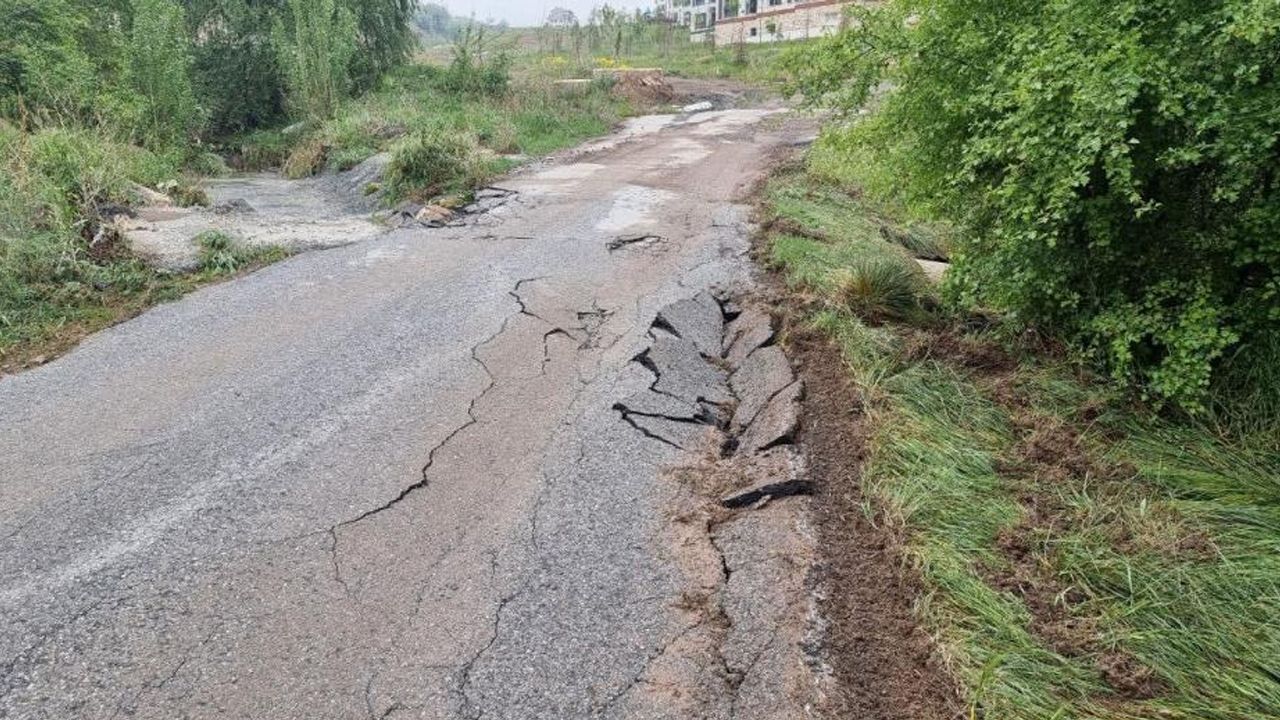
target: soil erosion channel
<point>532,464</point>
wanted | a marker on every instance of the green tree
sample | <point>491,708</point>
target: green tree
<point>1114,164</point>
<point>236,70</point>
<point>159,72</point>
<point>316,44</point>
<point>43,68</point>
<point>384,35</point>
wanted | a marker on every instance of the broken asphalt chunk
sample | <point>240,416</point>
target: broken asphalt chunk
<point>634,240</point>
<point>762,376</point>
<point>750,496</point>
<point>777,423</point>
<point>750,331</point>
<point>681,371</point>
<point>699,320</point>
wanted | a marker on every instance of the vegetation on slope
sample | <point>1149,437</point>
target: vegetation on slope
<point>1110,167</point>
<point>1082,558</point>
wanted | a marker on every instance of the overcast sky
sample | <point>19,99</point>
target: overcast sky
<point>531,12</point>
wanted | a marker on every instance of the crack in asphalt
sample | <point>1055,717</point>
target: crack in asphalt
<point>464,676</point>
<point>623,241</point>
<point>639,678</point>
<point>425,479</point>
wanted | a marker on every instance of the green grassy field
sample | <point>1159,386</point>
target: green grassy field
<point>1082,558</point>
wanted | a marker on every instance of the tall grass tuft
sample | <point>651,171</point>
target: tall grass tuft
<point>878,287</point>
<point>434,161</point>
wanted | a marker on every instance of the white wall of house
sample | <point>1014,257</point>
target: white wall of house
<point>785,21</point>
<point>757,21</point>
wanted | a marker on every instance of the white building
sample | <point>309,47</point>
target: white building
<point>753,21</point>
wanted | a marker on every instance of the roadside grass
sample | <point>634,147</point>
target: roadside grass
<point>419,115</point>
<point>1082,557</point>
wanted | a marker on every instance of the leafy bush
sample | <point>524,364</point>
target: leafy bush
<point>1111,164</point>
<point>435,161</point>
<point>45,67</point>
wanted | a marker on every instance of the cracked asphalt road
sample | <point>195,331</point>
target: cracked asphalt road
<point>385,480</point>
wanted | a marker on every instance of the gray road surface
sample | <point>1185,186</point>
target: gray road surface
<point>385,480</point>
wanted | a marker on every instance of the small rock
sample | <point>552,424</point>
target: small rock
<point>433,215</point>
<point>237,205</point>
<point>934,270</point>
<point>698,107</point>
<point>777,423</point>
<point>762,376</point>
<point>759,494</point>
<point>750,331</point>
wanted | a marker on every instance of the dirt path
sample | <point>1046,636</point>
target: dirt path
<point>475,471</point>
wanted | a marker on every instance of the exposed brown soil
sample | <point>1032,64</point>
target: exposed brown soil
<point>885,664</point>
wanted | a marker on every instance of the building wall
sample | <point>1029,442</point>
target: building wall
<point>796,22</point>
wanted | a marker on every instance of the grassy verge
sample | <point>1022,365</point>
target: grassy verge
<point>1082,558</point>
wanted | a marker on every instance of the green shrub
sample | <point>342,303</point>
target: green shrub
<point>1111,164</point>
<point>219,253</point>
<point>476,68</point>
<point>434,161</point>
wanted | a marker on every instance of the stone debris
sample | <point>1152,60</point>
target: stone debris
<point>437,215</point>
<point>698,107</point>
